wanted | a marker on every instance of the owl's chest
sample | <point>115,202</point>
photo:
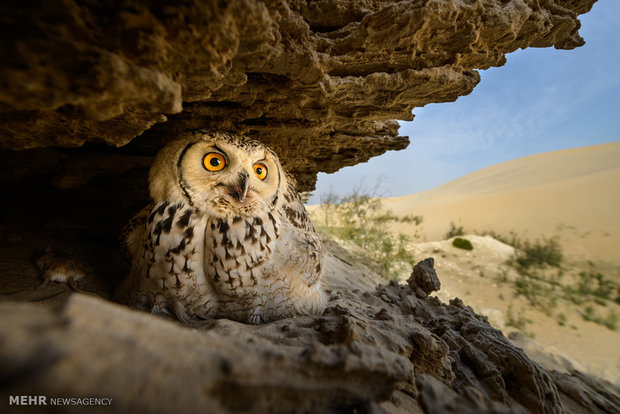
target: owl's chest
<point>238,251</point>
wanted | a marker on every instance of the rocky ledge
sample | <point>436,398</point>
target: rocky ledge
<point>321,82</point>
<point>389,349</point>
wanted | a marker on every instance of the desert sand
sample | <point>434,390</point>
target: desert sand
<point>573,194</point>
<point>473,276</point>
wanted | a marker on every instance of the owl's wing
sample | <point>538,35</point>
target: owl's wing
<point>305,239</point>
<point>133,233</point>
<point>294,208</point>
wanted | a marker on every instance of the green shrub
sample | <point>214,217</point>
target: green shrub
<point>611,321</point>
<point>592,286</point>
<point>519,321</point>
<point>511,240</point>
<point>595,284</point>
<point>454,231</point>
<point>561,319</point>
<point>412,219</point>
<point>461,243</point>
<point>359,218</point>
<point>537,290</point>
<point>540,253</point>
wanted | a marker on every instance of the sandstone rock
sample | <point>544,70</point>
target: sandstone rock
<point>320,82</point>
<point>583,393</point>
<point>370,351</point>
<point>436,397</point>
<point>423,279</point>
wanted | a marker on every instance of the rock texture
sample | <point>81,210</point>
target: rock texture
<point>90,90</point>
<point>424,279</point>
<point>320,81</point>
<point>381,350</point>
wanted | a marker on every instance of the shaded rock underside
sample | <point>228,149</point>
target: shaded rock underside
<point>322,82</point>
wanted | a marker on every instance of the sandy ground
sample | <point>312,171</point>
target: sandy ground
<point>573,194</point>
<point>474,276</point>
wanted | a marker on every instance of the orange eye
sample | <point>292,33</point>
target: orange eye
<point>214,161</point>
<point>260,170</point>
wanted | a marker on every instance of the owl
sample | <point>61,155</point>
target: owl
<point>226,236</point>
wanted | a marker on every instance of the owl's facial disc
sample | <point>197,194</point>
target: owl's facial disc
<point>226,177</point>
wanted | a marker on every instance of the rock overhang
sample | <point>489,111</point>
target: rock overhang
<point>322,83</point>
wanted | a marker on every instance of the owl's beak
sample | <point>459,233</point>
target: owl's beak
<point>240,190</point>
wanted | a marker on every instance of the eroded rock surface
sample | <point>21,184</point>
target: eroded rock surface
<point>423,279</point>
<point>319,81</point>
<point>381,350</point>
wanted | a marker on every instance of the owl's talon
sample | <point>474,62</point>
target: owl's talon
<point>256,319</point>
<point>159,310</point>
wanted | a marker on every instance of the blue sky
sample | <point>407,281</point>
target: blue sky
<point>540,100</point>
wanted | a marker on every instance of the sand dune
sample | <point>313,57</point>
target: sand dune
<point>574,194</point>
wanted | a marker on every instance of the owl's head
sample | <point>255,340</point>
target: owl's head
<point>224,174</point>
